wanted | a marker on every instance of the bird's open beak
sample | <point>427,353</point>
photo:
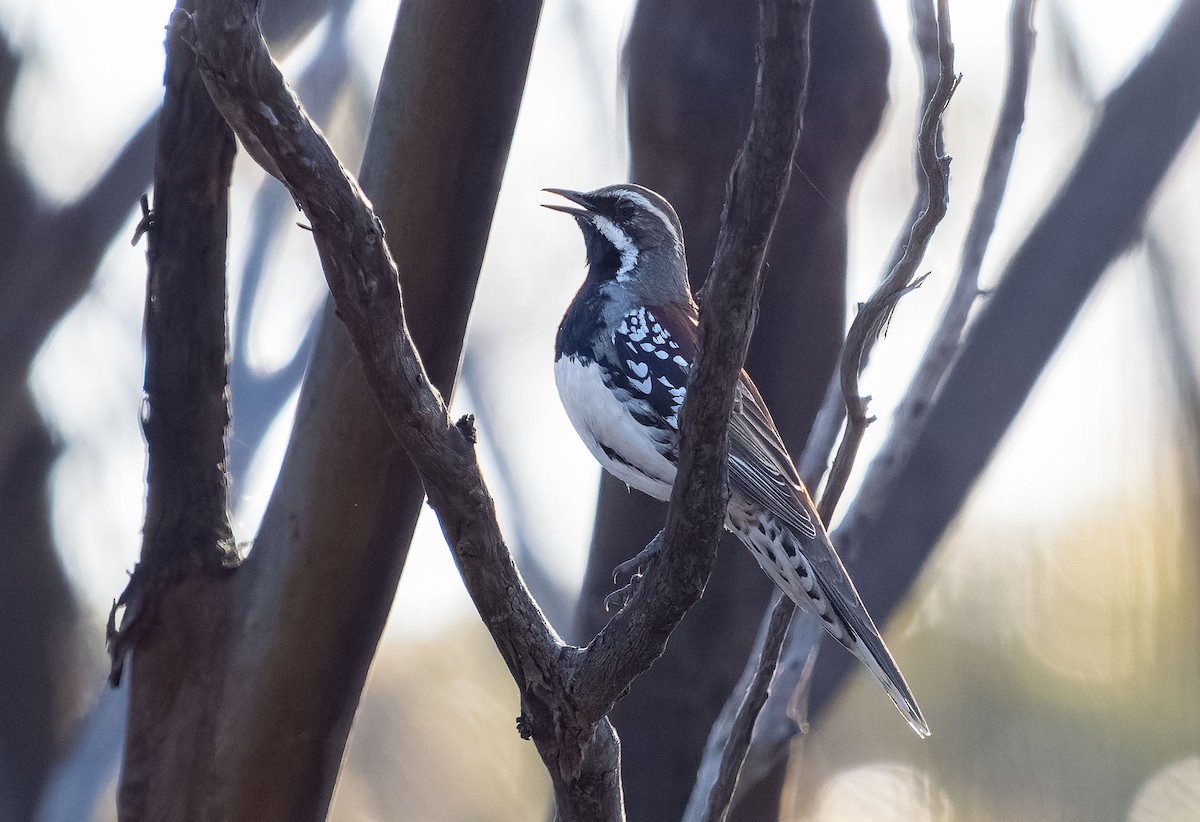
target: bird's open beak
<point>573,196</point>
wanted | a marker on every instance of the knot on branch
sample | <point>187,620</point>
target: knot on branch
<point>525,727</point>
<point>132,614</point>
<point>466,427</point>
<point>144,224</point>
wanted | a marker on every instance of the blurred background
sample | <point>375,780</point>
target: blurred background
<point>1054,637</point>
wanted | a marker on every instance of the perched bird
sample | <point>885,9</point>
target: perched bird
<point>622,357</point>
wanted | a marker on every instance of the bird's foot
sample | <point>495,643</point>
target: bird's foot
<point>634,568</point>
<point>619,598</point>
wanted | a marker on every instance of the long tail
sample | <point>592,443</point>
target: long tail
<point>813,576</point>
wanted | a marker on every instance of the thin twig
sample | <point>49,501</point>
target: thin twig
<point>873,316</point>
<point>913,410</point>
<point>815,459</point>
<point>1038,296</point>
<point>732,739</point>
<point>754,686</point>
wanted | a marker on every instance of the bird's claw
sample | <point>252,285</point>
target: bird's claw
<point>619,598</point>
<point>635,569</point>
<point>629,568</point>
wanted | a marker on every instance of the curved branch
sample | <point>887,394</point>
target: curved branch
<point>873,316</point>
<point>565,692</point>
<point>1094,217</point>
<point>911,413</point>
<point>932,35</point>
<point>635,636</point>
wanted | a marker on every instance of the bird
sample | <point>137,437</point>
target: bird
<point>622,356</point>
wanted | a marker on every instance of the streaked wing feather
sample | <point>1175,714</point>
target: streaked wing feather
<point>759,465</point>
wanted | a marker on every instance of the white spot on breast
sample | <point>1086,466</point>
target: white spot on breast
<point>633,325</point>
<point>638,368</point>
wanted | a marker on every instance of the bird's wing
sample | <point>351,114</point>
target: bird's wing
<point>762,473</point>
<point>649,362</point>
<point>761,470</point>
<point>759,465</point>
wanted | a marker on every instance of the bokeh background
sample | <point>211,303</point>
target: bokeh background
<point>1054,638</point>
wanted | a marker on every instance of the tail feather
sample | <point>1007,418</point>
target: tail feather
<point>814,578</point>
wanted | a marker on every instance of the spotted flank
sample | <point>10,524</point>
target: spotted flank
<point>821,587</point>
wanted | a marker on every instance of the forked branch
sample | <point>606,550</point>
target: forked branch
<point>566,691</point>
<point>730,739</point>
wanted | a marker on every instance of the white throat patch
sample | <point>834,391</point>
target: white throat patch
<point>621,242</point>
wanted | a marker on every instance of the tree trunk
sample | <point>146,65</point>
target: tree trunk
<point>245,686</point>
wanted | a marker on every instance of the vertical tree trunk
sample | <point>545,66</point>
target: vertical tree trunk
<point>691,81</point>
<point>244,693</point>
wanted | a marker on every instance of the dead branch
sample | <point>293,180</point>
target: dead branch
<point>689,110</point>
<point>872,317</point>
<point>42,277</point>
<point>913,409</point>
<point>1025,318</point>
<point>187,536</point>
<point>725,751</point>
<point>258,397</point>
<point>322,576</point>
<point>930,206</point>
<point>757,185</point>
<point>559,688</point>
<point>185,413</point>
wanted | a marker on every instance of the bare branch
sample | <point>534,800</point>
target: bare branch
<point>817,451</point>
<point>483,384</point>
<point>725,751</point>
<point>913,410</point>
<point>251,93</point>
<point>257,398</point>
<point>932,35</point>
<point>365,285</point>
<point>1081,231</point>
<point>873,316</point>
<point>185,414</point>
<point>48,276</point>
<point>636,635</point>
<point>187,538</point>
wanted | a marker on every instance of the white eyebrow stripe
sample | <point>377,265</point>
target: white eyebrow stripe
<point>621,242</point>
<point>656,211</point>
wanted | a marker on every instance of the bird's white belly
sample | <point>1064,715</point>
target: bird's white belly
<point>603,422</point>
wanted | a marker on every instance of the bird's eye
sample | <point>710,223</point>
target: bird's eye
<point>625,211</point>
